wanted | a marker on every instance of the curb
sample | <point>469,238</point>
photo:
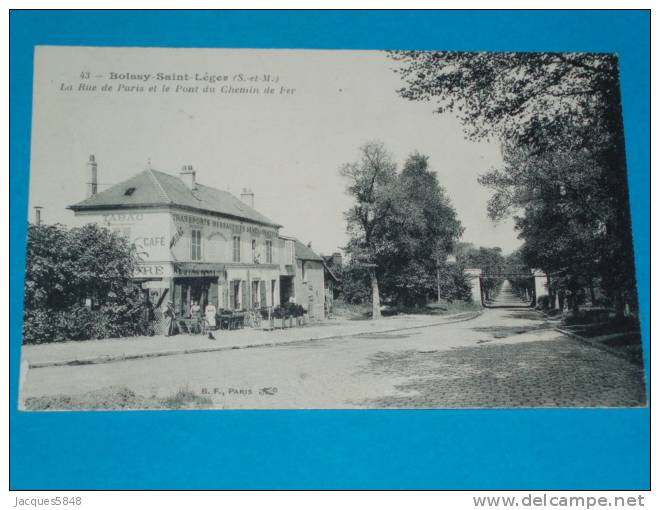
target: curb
<point>597,345</point>
<point>111,359</point>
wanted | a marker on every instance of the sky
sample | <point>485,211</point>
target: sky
<point>287,146</point>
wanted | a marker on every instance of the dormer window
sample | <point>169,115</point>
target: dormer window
<point>129,191</point>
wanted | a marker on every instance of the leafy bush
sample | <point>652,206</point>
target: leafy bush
<point>40,326</point>
<point>353,286</point>
<point>67,267</point>
<point>288,310</point>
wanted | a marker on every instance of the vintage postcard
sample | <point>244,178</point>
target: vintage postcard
<point>305,229</point>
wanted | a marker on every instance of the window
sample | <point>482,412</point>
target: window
<point>254,251</point>
<point>196,245</point>
<point>237,249</point>
<point>255,294</point>
<point>269,252</point>
<point>304,276</point>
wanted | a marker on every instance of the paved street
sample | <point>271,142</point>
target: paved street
<point>504,358</point>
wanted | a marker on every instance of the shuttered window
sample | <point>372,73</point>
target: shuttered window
<point>245,299</point>
<point>269,252</point>
<point>237,249</point>
<point>196,245</point>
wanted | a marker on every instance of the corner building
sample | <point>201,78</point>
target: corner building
<point>194,242</point>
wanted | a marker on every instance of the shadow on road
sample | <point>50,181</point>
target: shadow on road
<point>506,331</point>
<point>548,373</point>
<point>523,314</point>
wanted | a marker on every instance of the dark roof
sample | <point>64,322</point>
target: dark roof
<point>304,252</point>
<point>154,188</point>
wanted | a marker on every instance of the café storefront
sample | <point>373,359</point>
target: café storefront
<point>194,243</point>
<point>227,286</point>
<point>196,282</point>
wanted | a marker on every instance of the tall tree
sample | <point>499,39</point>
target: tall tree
<point>401,226</point>
<point>428,234</point>
<point>548,107</point>
<point>369,184</point>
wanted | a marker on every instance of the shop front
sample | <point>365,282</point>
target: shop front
<point>252,287</point>
<point>196,282</point>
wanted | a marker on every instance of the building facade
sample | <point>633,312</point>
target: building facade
<point>303,280</point>
<point>196,243</point>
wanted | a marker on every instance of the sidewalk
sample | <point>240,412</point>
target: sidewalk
<point>626,344</point>
<point>119,349</point>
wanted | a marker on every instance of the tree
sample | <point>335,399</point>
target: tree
<point>489,260</point>
<point>400,227</point>
<point>566,211</point>
<point>66,271</point>
<point>354,285</point>
<point>369,183</point>
<point>425,233</point>
<point>557,112</point>
<point>528,98</point>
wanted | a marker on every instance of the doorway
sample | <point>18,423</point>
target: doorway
<point>194,290</point>
<point>287,290</point>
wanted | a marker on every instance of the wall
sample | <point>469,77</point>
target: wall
<point>310,293</point>
<point>148,229</point>
<point>217,238</point>
<point>164,237</point>
<point>475,284</point>
<point>161,235</point>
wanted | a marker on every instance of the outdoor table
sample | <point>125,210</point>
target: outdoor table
<point>239,320</point>
<point>223,320</point>
<point>230,320</point>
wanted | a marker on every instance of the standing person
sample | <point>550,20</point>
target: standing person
<point>209,313</point>
<point>171,313</point>
<point>195,310</point>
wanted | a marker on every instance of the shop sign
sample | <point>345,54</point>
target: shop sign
<point>147,270</point>
<point>235,228</point>
<point>122,217</point>
<point>194,269</point>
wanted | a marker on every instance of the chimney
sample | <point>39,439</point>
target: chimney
<point>187,175</point>
<point>37,214</point>
<point>247,196</point>
<point>337,260</point>
<point>92,176</point>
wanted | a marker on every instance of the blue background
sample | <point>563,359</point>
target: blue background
<point>462,449</point>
